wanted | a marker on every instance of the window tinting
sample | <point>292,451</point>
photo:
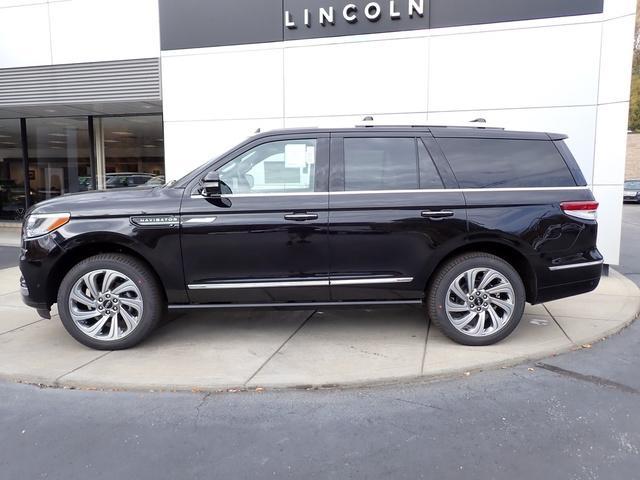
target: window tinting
<point>491,163</point>
<point>380,164</point>
<point>429,176</point>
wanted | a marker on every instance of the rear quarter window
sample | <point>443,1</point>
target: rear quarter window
<point>497,163</point>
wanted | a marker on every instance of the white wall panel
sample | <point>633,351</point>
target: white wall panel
<point>535,67</point>
<point>384,76</point>
<point>611,144</point>
<point>347,121</point>
<point>24,36</point>
<point>615,69</point>
<point>618,8</point>
<point>579,123</point>
<point>609,221</point>
<point>98,30</point>
<point>190,144</point>
<point>228,85</point>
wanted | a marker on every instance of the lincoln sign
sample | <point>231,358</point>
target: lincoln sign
<point>215,23</point>
<point>352,13</point>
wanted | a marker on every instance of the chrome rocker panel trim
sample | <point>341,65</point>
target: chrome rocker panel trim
<point>301,283</point>
<point>576,265</point>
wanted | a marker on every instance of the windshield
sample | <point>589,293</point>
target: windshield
<point>632,185</point>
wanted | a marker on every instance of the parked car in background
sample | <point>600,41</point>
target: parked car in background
<point>156,181</point>
<point>632,191</point>
<point>123,180</point>
<point>469,222</point>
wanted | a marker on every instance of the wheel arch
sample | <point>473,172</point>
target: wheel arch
<point>506,252</point>
<point>84,250</point>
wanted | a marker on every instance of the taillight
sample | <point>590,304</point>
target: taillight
<point>584,210</point>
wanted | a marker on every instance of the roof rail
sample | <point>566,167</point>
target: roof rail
<point>477,123</point>
<point>434,125</point>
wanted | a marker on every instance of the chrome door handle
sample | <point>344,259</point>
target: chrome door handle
<point>301,217</point>
<point>436,215</point>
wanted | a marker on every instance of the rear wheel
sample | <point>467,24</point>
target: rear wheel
<point>476,299</point>
<point>110,302</point>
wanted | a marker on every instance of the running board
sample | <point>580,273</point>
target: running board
<point>297,305</point>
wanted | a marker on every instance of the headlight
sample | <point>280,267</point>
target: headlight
<point>39,224</point>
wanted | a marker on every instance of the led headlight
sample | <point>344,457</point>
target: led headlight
<point>39,224</point>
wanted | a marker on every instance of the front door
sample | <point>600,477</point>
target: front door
<point>265,240</point>
<point>391,208</point>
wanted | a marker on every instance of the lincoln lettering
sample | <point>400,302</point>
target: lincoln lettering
<point>351,13</point>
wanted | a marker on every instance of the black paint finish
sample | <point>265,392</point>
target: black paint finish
<point>212,23</point>
<point>354,236</point>
<point>454,13</point>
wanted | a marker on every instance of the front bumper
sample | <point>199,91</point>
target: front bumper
<point>37,261</point>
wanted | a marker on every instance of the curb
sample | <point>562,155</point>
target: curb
<point>443,374</point>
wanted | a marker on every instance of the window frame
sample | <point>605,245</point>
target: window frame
<point>337,171</point>
<point>510,138</point>
<point>321,184</point>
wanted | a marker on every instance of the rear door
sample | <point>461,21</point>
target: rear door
<point>265,240</point>
<point>392,206</point>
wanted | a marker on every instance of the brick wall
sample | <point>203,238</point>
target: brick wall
<point>633,156</point>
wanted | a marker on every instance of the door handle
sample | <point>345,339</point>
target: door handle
<point>436,215</point>
<point>301,217</point>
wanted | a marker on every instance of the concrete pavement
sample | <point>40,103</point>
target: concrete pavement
<point>573,417</point>
<point>218,350</point>
<point>630,247</point>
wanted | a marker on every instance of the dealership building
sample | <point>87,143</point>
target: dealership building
<point>108,93</point>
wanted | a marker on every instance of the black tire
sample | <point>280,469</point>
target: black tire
<point>445,276</point>
<point>154,305</point>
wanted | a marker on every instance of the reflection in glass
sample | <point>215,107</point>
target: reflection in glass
<point>59,160</point>
<point>274,167</point>
<point>12,196</point>
<point>134,151</point>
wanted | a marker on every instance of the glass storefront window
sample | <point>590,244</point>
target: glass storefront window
<point>12,195</point>
<point>59,160</point>
<point>133,151</point>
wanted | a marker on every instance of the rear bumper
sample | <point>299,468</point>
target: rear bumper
<point>565,290</point>
<point>570,276</point>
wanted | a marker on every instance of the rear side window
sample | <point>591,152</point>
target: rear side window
<point>380,164</point>
<point>491,163</point>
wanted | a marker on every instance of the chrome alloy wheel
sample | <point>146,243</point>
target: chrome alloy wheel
<point>480,302</point>
<point>105,305</point>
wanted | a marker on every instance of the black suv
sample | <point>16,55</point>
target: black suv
<point>470,222</point>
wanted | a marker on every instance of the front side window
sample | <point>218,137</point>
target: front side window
<point>277,167</point>
<point>380,164</point>
<point>493,163</point>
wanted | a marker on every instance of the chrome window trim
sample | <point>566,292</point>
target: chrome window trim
<point>576,265</point>
<point>379,192</point>
<point>325,282</point>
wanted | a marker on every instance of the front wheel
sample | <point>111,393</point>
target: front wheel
<point>110,302</point>
<point>476,299</point>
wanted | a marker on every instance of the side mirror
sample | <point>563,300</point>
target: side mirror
<point>211,185</point>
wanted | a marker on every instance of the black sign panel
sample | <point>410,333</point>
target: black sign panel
<point>212,23</point>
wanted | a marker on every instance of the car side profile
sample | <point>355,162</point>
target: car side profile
<point>470,223</point>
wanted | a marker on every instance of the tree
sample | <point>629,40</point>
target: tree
<point>634,103</point>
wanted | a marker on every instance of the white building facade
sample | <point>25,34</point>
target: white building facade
<point>160,87</point>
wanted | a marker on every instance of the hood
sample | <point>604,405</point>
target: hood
<point>114,203</point>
